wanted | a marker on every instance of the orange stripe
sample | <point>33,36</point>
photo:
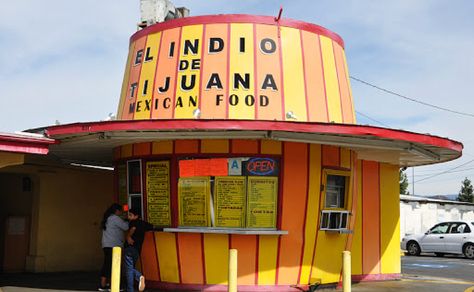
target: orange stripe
<point>117,153</point>
<point>244,146</point>
<point>141,149</point>
<point>294,198</point>
<point>190,256</point>
<point>314,78</point>
<point>331,156</point>
<point>166,67</point>
<point>370,218</point>
<point>214,63</point>
<point>134,78</point>
<point>346,103</point>
<point>268,64</point>
<point>186,146</point>
<point>148,258</point>
<point>246,246</point>
<point>126,150</point>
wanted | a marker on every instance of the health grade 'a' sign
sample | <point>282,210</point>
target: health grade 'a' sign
<point>236,67</point>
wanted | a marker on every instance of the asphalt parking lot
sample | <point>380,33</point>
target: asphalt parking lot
<point>428,273</point>
<point>421,273</point>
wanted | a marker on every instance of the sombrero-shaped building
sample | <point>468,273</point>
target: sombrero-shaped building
<point>239,131</point>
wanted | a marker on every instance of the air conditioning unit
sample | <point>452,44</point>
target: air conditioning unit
<point>335,220</point>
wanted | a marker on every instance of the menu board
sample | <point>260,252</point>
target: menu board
<point>158,192</point>
<point>230,201</point>
<point>194,193</point>
<point>122,184</point>
<point>262,192</point>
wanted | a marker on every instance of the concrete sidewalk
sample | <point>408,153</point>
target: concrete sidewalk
<point>88,281</point>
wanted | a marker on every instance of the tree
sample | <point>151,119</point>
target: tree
<point>403,183</point>
<point>466,193</point>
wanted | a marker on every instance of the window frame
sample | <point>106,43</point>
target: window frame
<point>347,189</point>
<point>134,195</point>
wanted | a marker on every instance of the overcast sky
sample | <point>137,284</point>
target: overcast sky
<point>64,60</point>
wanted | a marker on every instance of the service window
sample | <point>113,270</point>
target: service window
<point>238,192</point>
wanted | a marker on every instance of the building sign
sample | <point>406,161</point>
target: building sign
<point>194,196</point>
<point>230,201</point>
<point>236,71</point>
<point>262,194</point>
<point>261,166</point>
<point>158,193</point>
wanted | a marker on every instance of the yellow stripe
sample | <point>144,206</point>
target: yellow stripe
<point>147,74</point>
<point>345,158</point>
<point>330,78</point>
<point>215,146</point>
<point>271,147</point>
<point>216,252</point>
<point>311,213</point>
<point>350,88</point>
<point>356,252</point>
<point>185,98</point>
<point>126,151</point>
<point>241,63</point>
<point>162,147</point>
<point>389,219</point>
<point>470,289</point>
<point>126,76</point>
<point>167,256</point>
<point>295,98</point>
<point>267,259</point>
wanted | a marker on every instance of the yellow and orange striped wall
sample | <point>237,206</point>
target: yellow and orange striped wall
<point>236,67</point>
<point>305,255</point>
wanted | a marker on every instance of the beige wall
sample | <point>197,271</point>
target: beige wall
<point>71,204</point>
<point>67,207</point>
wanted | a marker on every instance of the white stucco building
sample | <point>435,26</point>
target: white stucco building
<point>418,214</point>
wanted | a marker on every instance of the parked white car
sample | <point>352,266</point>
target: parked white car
<point>455,237</point>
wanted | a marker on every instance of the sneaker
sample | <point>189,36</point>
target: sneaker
<point>103,289</point>
<point>141,284</point>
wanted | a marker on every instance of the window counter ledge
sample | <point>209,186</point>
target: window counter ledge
<point>228,231</point>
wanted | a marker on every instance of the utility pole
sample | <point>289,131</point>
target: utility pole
<point>413,180</point>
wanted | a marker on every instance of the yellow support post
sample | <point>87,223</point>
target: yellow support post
<point>116,262</point>
<point>346,271</point>
<point>232,271</point>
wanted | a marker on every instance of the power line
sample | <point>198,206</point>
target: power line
<point>372,119</point>
<point>459,170</point>
<point>412,99</point>
<point>447,171</point>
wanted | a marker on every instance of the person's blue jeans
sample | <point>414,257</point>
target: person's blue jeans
<point>131,257</point>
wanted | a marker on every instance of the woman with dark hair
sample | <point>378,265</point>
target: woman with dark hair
<point>113,228</point>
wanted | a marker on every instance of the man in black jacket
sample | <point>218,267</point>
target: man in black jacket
<point>133,247</point>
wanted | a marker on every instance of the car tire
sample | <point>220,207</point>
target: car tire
<point>469,251</point>
<point>413,248</point>
<point>439,254</point>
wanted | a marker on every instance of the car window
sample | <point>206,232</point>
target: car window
<point>457,227</point>
<point>440,228</point>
